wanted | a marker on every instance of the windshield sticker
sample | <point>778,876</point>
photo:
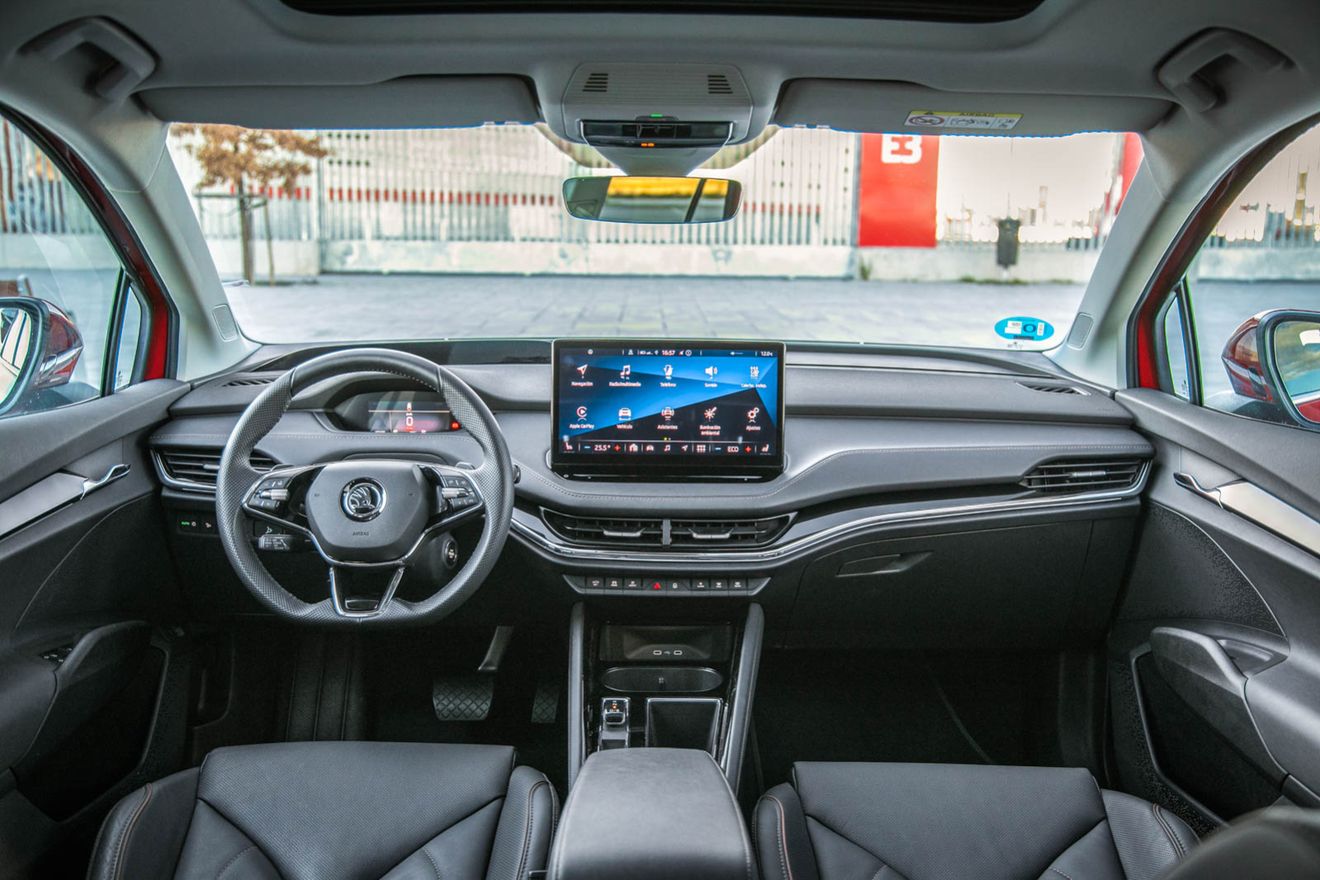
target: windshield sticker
<point>971,120</point>
<point>1028,329</point>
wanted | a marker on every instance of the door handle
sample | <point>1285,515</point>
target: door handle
<point>114,473</point>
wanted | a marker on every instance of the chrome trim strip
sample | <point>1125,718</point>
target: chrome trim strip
<point>802,545</point>
<point>1254,504</point>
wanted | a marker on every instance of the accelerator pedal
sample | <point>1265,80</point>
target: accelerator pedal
<point>468,696</point>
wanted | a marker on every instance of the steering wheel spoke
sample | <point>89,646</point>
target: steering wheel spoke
<point>345,580</point>
<point>458,500</point>
<point>276,497</point>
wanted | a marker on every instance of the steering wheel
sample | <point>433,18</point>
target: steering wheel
<point>369,519</point>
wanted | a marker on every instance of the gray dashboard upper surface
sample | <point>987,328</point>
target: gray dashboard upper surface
<point>817,388</point>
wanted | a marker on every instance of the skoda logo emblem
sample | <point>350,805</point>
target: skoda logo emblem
<point>363,499</point>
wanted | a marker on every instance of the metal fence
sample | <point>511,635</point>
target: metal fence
<point>502,184</point>
<point>34,196</point>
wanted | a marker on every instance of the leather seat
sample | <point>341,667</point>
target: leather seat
<point>960,822</point>
<point>300,811</point>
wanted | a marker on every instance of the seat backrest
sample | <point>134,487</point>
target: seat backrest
<point>1280,843</point>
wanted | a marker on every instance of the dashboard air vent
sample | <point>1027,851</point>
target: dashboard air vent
<point>614,532</point>
<point>597,83</point>
<point>707,534</point>
<point>1083,476</point>
<point>198,467</point>
<point>725,533</point>
<point>243,381</point>
<point>1052,389</point>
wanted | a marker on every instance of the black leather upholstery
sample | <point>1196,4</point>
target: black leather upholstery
<point>299,811</point>
<point>652,814</point>
<point>940,821</point>
<point>1280,843</point>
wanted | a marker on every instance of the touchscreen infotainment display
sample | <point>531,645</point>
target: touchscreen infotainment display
<point>683,407</point>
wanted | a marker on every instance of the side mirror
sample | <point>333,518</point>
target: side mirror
<point>1273,358</point>
<point>39,349</point>
<point>622,199</point>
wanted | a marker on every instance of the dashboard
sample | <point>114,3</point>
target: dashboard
<point>920,468</point>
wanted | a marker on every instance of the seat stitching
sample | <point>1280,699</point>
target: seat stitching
<point>128,831</point>
<point>781,834</point>
<point>229,864</point>
<point>1168,831</point>
<point>527,830</point>
<point>426,851</point>
<point>1060,873</point>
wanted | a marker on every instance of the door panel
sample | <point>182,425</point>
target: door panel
<point>90,670</point>
<point>1215,652</point>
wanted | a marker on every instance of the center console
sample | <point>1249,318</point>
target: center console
<point>651,814</point>
<point>677,680</point>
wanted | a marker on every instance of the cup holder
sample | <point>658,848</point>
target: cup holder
<point>661,679</point>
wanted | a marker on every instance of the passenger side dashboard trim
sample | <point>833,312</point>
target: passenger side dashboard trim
<point>798,547</point>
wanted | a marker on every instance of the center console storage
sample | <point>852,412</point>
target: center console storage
<point>651,814</point>
<point>657,681</point>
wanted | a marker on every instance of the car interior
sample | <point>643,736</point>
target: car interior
<point>652,602</point>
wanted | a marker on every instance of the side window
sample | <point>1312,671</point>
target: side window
<point>60,279</point>
<point>1262,257</point>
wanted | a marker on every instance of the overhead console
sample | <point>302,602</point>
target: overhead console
<point>667,409</point>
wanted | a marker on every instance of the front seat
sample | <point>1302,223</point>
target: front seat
<point>316,810</point>
<point>960,822</point>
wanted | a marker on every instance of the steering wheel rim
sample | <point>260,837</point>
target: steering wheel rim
<point>237,482</point>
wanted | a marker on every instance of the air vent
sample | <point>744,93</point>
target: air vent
<point>1084,476</point>
<point>706,534</point>
<point>1052,389</point>
<point>197,468</point>
<point>613,532</point>
<point>597,83</point>
<point>244,381</point>
<point>718,84</point>
<point>725,533</point>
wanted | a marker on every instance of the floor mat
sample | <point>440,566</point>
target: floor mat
<point>825,706</point>
<point>404,669</point>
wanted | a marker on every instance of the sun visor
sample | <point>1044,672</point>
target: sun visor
<point>412,102</point>
<point>890,107</point>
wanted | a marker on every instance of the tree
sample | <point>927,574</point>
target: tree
<point>248,161</point>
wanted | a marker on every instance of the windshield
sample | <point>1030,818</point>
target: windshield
<point>462,233</point>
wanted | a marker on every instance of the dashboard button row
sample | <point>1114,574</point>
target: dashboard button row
<point>722,584</point>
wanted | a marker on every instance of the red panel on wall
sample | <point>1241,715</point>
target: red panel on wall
<point>896,199</point>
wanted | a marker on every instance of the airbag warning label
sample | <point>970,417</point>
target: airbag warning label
<point>963,120</point>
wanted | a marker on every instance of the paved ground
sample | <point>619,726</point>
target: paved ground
<point>416,306</point>
<point>433,306</point>
<point>394,306</point>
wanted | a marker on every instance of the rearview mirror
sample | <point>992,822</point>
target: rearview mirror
<point>39,349</point>
<point>621,199</point>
